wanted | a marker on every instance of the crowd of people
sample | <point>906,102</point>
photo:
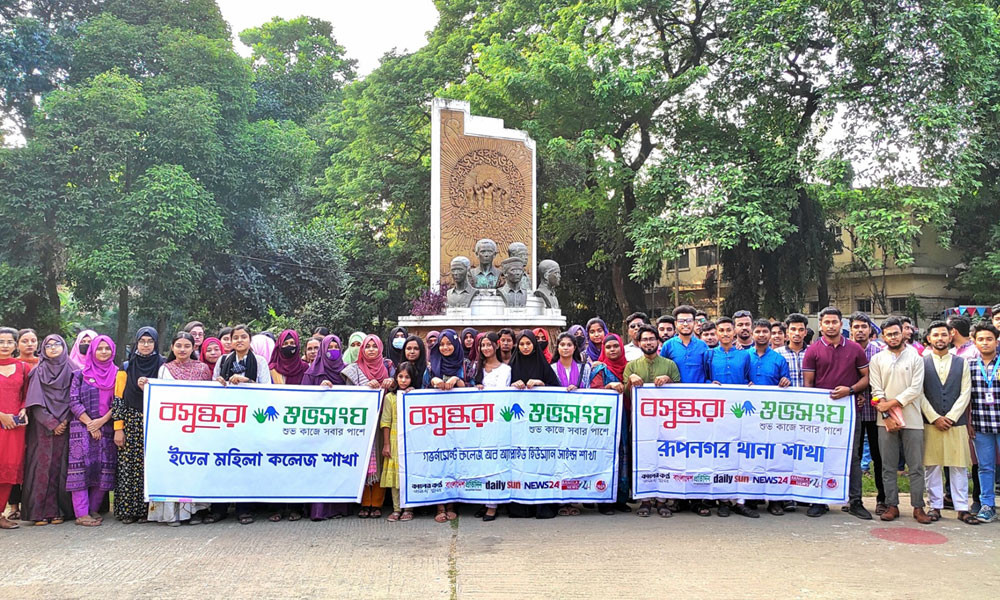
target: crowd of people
<point>72,419</point>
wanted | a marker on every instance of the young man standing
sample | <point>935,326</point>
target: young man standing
<point>685,349</point>
<point>963,346</point>
<point>665,327</point>
<point>909,333</point>
<point>709,335</point>
<point>633,322</point>
<point>861,332</point>
<point>996,315</point>
<point>778,335</point>
<point>985,426</point>
<point>743,320</point>
<point>897,381</point>
<point>797,324</point>
<point>839,365</point>
<point>767,367</point>
<point>653,369</point>
<point>947,389</point>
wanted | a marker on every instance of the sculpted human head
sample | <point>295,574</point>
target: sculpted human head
<point>549,270</point>
<point>486,251</point>
<point>518,250</point>
<point>513,271</point>
<point>460,266</point>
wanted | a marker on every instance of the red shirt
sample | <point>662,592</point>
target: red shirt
<point>836,364</point>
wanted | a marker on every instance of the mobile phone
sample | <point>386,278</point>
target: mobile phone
<point>18,420</point>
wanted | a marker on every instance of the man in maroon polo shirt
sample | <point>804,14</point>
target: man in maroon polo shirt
<point>841,366</point>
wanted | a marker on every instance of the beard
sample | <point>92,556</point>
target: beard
<point>648,351</point>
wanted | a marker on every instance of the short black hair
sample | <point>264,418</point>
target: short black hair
<point>937,324</point>
<point>708,326</point>
<point>637,315</point>
<point>960,324</point>
<point>984,326</point>
<point>666,319</point>
<point>831,310</point>
<point>505,331</point>
<point>761,323</point>
<point>244,327</point>
<point>685,309</point>
<point>645,329</point>
<point>779,325</point>
<point>722,320</point>
<point>797,318</point>
<point>995,309</point>
<point>701,313</point>
<point>892,322</point>
<point>323,331</point>
<point>225,331</point>
<point>906,320</point>
<point>860,316</point>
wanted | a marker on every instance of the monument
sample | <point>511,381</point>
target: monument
<point>483,205</point>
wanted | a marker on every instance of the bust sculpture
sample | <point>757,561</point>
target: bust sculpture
<point>513,291</point>
<point>485,276</point>
<point>519,250</point>
<point>462,292</point>
<point>548,271</point>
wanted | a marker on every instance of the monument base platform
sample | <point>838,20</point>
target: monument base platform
<point>553,323</point>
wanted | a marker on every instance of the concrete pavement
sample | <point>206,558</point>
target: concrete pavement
<point>589,556</point>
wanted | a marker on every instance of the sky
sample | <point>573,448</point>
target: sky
<point>367,29</point>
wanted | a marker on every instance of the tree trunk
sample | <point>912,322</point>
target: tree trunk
<point>618,283</point>
<point>161,326</point>
<point>122,334</point>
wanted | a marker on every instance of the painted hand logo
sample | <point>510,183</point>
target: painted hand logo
<point>265,415</point>
<point>749,408</point>
<point>512,412</point>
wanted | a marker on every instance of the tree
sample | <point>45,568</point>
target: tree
<point>298,67</point>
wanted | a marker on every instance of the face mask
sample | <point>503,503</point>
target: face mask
<point>542,345</point>
<point>288,351</point>
<point>333,354</point>
<point>84,348</point>
<point>398,343</point>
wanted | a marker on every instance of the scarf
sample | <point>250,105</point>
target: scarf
<point>396,356</point>
<point>74,355</point>
<point>323,368</point>
<point>247,368</point>
<point>472,353</point>
<point>431,334</point>
<point>571,378</point>
<point>421,363</point>
<point>578,334</point>
<point>292,368</point>
<point>542,338</point>
<point>593,350</point>
<point>262,346</point>
<point>447,366</point>
<point>191,370</point>
<point>615,366</point>
<point>524,367</point>
<point>374,369</point>
<point>49,382</point>
<point>351,354</point>
<point>140,365</point>
<point>101,375</point>
<point>204,344</point>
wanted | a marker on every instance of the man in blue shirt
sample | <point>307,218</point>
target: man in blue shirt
<point>727,364</point>
<point>767,367</point>
<point>685,349</point>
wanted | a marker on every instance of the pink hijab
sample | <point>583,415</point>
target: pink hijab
<point>374,369</point>
<point>74,355</point>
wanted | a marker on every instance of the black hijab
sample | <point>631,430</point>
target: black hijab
<point>396,356</point>
<point>524,367</point>
<point>141,366</point>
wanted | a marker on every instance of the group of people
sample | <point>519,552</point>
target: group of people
<point>72,420</point>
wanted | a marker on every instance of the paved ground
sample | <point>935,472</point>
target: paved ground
<point>590,556</point>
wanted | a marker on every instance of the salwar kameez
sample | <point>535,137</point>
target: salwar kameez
<point>129,501</point>
<point>46,463</point>
<point>92,462</point>
<point>12,389</point>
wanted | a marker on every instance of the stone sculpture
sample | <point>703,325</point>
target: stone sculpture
<point>461,293</point>
<point>485,276</point>
<point>513,290</point>
<point>550,276</point>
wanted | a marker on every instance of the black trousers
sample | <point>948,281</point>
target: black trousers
<point>869,430</point>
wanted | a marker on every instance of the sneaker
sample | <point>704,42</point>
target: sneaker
<point>987,514</point>
<point>816,510</point>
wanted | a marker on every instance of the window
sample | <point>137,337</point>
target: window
<point>707,256</point>
<point>897,305</point>
<point>812,307</point>
<point>838,238</point>
<point>683,262</point>
<point>864,305</point>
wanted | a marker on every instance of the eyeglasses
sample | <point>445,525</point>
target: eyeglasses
<point>145,342</point>
<point>51,345</point>
<point>634,325</point>
<point>685,320</point>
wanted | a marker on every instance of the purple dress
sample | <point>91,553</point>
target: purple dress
<point>44,495</point>
<point>92,463</point>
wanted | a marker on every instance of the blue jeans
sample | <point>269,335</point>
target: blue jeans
<point>986,452</point>
<point>866,457</point>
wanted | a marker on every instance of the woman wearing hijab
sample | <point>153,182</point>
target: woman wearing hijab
<point>431,338</point>
<point>262,346</point>
<point>80,348</point>
<point>469,335</point>
<point>394,349</point>
<point>13,416</point>
<point>353,347</point>
<point>446,363</point>
<point>609,373</point>
<point>596,330</point>
<point>415,353</point>
<point>44,497</point>
<point>491,373</point>
<point>542,337</point>
<point>529,369</point>
<point>375,371</point>
<point>472,362</point>
<point>286,362</point>
<point>327,370</point>
<point>211,352</point>
<point>578,334</point>
<point>92,455</point>
<point>127,412</point>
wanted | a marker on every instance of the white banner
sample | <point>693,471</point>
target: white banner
<point>508,445</point>
<point>257,443</point>
<point>727,442</point>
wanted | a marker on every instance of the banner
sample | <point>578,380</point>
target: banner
<point>727,442</point>
<point>508,445</point>
<point>257,443</point>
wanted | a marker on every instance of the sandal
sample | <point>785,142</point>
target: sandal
<point>15,515</point>
<point>208,520</point>
<point>407,515</point>
<point>562,512</point>
<point>41,523</point>
<point>363,513</point>
<point>294,516</point>
<point>441,516</point>
<point>452,515</point>
<point>724,509</point>
<point>775,509</point>
<point>131,520</point>
<point>276,517</point>
<point>606,509</point>
<point>704,510</point>
<point>968,518</point>
<point>934,514</point>
<point>487,516</point>
<point>88,522</point>
<point>58,521</point>
<point>393,516</point>
<point>245,519</point>
<point>142,520</point>
<point>376,513</point>
<point>6,523</point>
<point>574,511</point>
<point>644,509</point>
<point>663,511</point>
